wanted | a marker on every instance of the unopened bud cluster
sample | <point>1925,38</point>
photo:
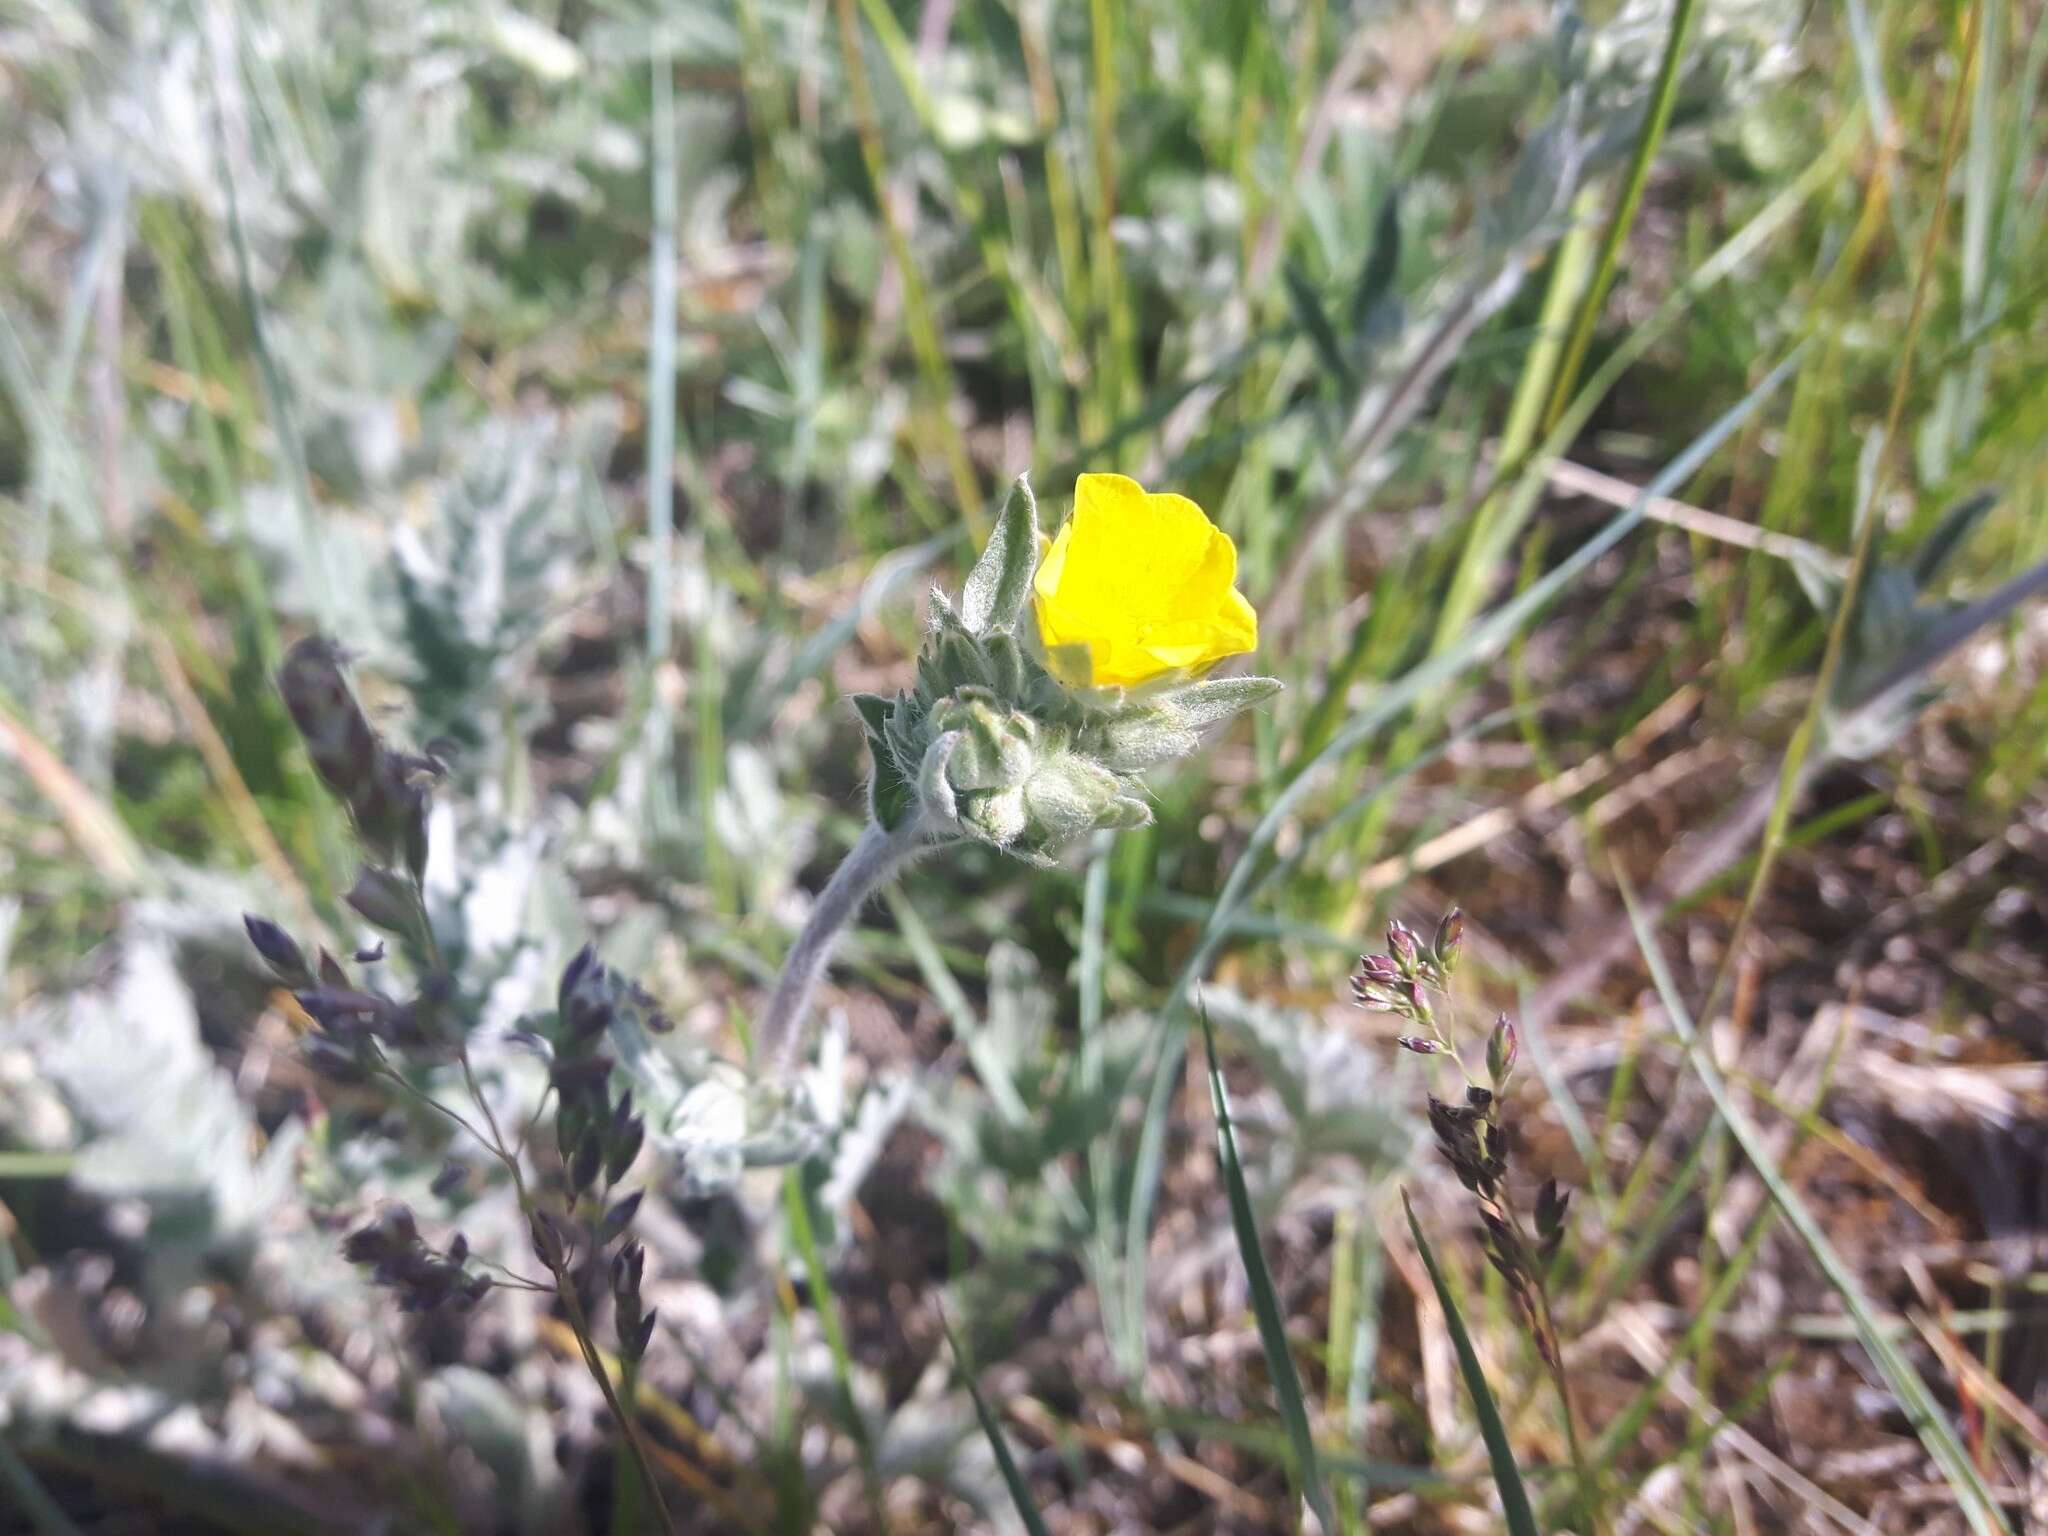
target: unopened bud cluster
<point>989,745</point>
<point>387,795</point>
<point>422,1278</point>
<point>1412,981</point>
<point>1401,981</point>
<point>595,1133</point>
<point>351,1018</point>
<point>385,790</point>
<point>599,1137</point>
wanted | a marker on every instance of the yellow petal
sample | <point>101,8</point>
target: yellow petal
<point>1146,583</point>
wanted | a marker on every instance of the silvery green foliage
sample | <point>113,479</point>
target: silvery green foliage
<point>120,1078</point>
<point>708,1118</point>
<point>1733,47</point>
<point>1607,77</point>
<point>1038,1100</point>
<point>1331,1088</point>
<point>475,593</point>
<point>989,746</point>
<point>1902,626</point>
<point>727,1123</point>
<point>862,1131</point>
<point>513,1443</point>
<point>767,841</point>
<point>157,1119</point>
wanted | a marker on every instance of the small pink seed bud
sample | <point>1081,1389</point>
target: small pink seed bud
<point>1502,1046</point>
<point>1379,968</point>
<point>1417,1044</point>
<point>1450,939</point>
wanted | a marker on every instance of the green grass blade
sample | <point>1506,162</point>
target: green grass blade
<point>1514,1498</point>
<point>1663,97</point>
<point>1013,1478</point>
<point>1265,1302</point>
<point>1925,1413</point>
<point>797,1208</point>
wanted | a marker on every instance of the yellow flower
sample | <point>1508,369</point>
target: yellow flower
<point>1137,586</point>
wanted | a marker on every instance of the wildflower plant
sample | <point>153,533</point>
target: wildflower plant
<point>1066,669</point>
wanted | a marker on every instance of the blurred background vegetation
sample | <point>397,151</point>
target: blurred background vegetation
<point>613,380</point>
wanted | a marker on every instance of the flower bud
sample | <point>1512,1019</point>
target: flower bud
<point>1366,995</point>
<point>1450,940</point>
<point>584,1166</point>
<point>634,1346</point>
<point>617,1219</point>
<point>622,1148</point>
<point>384,790</point>
<point>1501,1049</point>
<point>1067,796</point>
<point>995,750</point>
<point>1379,970</point>
<point>284,957</point>
<point>627,1266</point>
<point>548,1242</point>
<point>347,1013</point>
<point>337,733</point>
<point>1401,940</point>
<point>387,900</point>
<point>993,816</point>
<point>580,965</point>
<point>1417,1044</point>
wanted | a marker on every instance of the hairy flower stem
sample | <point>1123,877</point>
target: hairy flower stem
<point>873,859</point>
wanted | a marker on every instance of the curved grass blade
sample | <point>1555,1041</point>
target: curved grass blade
<point>1013,1478</point>
<point>1265,1304</point>
<point>1514,1498</point>
<point>1922,1409</point>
